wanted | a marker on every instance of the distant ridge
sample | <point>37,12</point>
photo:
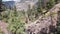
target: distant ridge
<point>21,5</point>
<point>9,3</point>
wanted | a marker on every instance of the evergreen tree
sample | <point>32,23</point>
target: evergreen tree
<point>0,5</point>
<point>39,6</point>
<point>50,4</point>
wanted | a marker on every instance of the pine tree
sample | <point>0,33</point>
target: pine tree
<point>0,5</point>
<point>39,6</point>
<point>50,4</point>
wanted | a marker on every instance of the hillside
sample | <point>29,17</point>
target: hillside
<point>30,17</point>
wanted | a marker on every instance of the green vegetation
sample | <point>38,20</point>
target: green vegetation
<point>16,19</point>
<point>58,24</point>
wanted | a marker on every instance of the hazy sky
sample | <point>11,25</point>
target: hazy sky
<point>10,0</point>
<point>6,0</point>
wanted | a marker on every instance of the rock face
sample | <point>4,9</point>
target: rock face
<point>46,24</point>
<point>40,25</point>
<point>23,4</point>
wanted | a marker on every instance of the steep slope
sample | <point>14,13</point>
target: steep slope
<point>23,4</point>
<point>45,23</point>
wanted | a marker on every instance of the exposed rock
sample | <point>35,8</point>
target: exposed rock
<point>46,24</point>
<point>23,4</point>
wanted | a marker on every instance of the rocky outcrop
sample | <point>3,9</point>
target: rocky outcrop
<point>45,23</point>
<point>23,4</point>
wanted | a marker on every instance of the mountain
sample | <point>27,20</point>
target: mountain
<point>23,4</point>
<point>20,4</point>
<point>9,4</point>
<point>28,0</point>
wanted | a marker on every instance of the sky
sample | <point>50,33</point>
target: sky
<point>10,0</point>
<point>7,0</point>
